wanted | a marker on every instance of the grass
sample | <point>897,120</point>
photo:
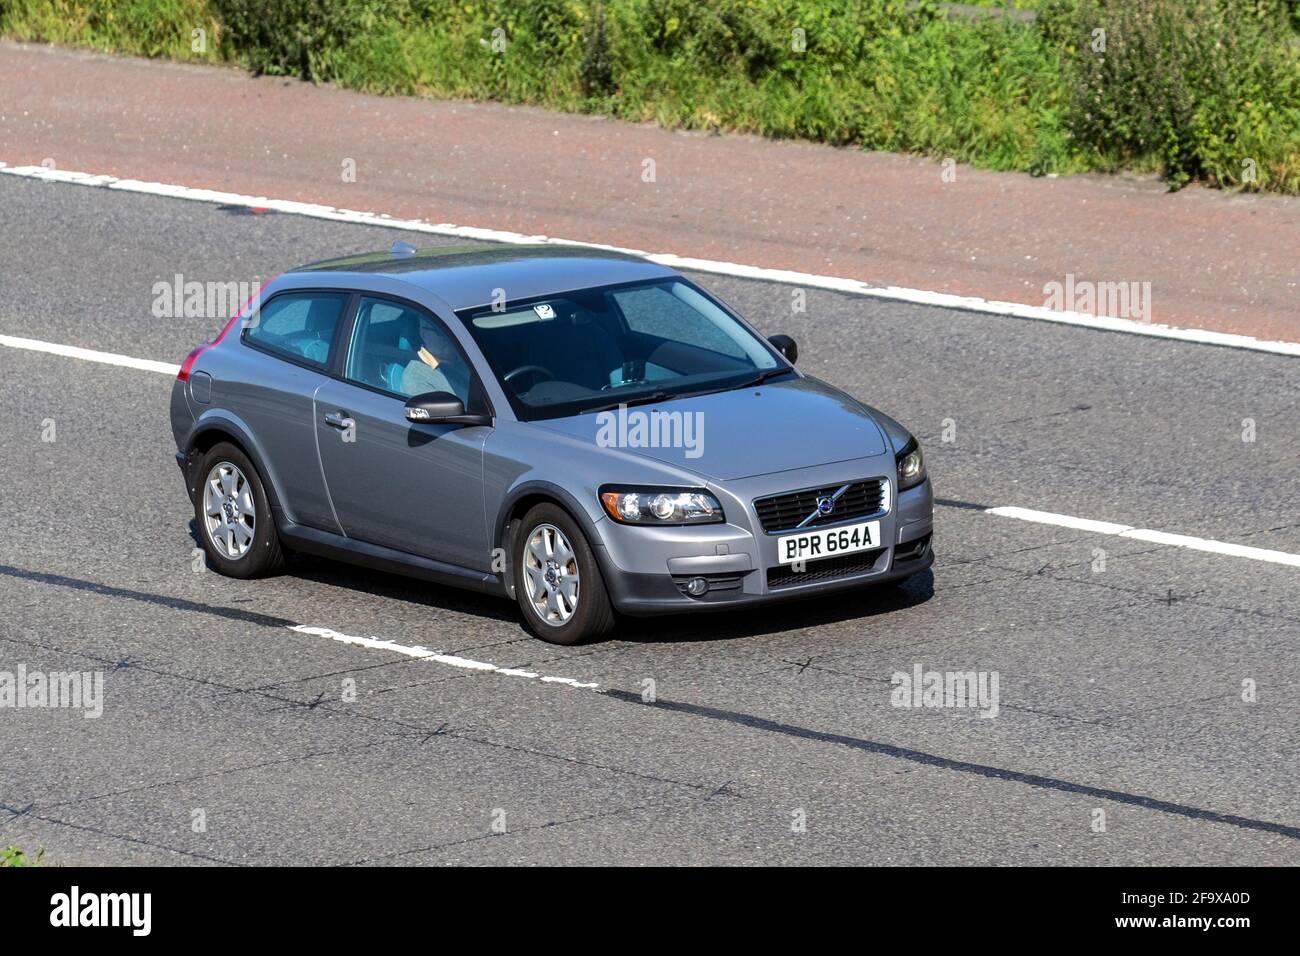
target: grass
<point>12,856</point>
<point>1199,90</point>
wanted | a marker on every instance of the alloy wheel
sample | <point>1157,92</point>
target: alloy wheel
<point>229,510</point>
<point>551,568</point>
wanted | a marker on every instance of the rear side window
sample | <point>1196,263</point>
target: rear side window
<point>299,325</point>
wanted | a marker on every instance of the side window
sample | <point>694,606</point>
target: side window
<point>401,350</point>
<point>654,310</point>
<point>299,325</point>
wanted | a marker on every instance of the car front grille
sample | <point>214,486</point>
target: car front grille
<point>784,512</point>
<point>828,569</point>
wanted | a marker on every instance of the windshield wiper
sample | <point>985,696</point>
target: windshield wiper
<point>762,377</point>
<point>640,400</point>
<point>664,396</point>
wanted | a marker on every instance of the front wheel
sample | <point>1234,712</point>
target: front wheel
<point>557,582</point>
<point>233,515</point>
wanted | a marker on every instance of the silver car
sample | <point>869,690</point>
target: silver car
<point>582,431</point>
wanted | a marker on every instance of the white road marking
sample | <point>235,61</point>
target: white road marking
<point>89,355</point>
<point>1065,521</point>
<point>424,654</point>
<point>1015,310</point>
<point>1146,534</point>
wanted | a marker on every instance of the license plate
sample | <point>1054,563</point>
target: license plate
<point>828,542</point>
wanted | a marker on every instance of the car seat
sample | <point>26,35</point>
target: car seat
<point>407,345</point>
<point>589,355</point>
<point>322,316</point>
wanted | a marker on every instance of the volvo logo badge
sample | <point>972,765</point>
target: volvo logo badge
<point>825,505</point>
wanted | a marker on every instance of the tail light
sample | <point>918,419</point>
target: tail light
<point>184,374</point>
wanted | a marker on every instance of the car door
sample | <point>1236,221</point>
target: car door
<point>272,386</point>
<point>414,487</point>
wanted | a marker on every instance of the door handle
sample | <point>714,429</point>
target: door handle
<point>339,420</point>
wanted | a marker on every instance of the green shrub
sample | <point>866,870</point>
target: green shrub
<point>295,37</point>
<point>154,28</point>
<point>1201,89</point>
<point>596,71</point>
<point>1210,89</point>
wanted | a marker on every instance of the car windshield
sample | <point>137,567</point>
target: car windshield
<point>596,348</point>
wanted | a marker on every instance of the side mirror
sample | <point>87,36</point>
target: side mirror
<point>786,346</point>
<point>441,408</point>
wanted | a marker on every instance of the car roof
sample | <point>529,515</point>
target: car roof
<point>467,276</point>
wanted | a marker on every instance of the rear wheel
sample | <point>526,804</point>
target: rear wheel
<point>557,582</point>
<point>233,515</point>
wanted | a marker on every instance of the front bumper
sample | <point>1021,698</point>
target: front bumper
<point>646,569</point>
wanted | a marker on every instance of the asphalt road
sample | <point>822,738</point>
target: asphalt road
<point>1120,689</point>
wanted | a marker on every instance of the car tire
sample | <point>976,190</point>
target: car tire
<point>550,540</point>
<point>228,483</point>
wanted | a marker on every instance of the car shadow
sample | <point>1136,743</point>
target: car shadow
<point>813,611</point>
<point>395,587</point>
<point>399,587</point>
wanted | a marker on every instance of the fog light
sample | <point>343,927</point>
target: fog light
<point>697,587</point>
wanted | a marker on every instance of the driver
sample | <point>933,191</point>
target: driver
<point>437,366</point>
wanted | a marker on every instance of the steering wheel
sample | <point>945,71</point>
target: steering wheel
<point>528,368</point>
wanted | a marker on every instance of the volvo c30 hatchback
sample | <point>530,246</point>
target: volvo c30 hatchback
<point>581,431</point>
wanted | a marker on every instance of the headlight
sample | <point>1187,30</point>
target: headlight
<point>661,506</point>
<point>911,466</point>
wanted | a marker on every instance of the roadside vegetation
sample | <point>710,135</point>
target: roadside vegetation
<point>1196,90</point>
<point>12,856</point>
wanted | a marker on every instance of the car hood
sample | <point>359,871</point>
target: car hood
<point>742,433</point>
